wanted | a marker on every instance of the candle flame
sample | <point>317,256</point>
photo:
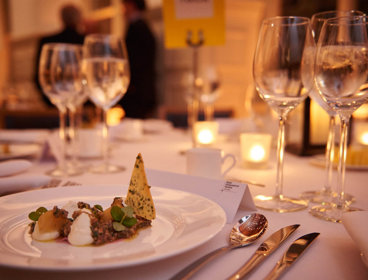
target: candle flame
<point>257,153</point>
<point>364,138</point>
<point>205,136</point>
<point>114,115</point>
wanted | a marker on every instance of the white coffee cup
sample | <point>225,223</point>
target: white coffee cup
<point>132,129</point>
<point>208,162</point>
<point>89,142</point>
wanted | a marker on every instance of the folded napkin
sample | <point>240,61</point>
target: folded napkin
<point>22,182</point>
<point>12,167</point>
<point>128,130</point>
<point>23,135</point>
<point>356,225</point>
<point>156,125</point>
<point>229,195</point>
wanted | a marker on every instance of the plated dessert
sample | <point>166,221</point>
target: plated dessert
<point>81,224</point>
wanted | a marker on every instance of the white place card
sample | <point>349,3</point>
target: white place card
<point>229,195</point>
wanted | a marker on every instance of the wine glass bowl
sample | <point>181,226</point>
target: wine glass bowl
<point>283,75</point>
<point>107,86</point>
<point>318,19</point>
<point>106,74</point>
<point>46,72</point>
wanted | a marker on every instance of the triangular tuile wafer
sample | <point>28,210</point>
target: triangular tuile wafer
<point>139,195</point>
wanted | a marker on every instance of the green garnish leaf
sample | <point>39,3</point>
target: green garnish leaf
<point>41,210</point>
<point>34,216</point>
<point>118,226</point>
<point>116,213</point>
<point>128,211</point>
<point>99,207</point>
<point>129,221</point>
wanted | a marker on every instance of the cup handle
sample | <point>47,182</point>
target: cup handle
<point>232,157</point>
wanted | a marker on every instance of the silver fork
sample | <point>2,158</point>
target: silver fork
<point>57,182</point>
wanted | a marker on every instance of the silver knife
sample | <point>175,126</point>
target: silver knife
<point>264,250</point>
<point>294,251</point>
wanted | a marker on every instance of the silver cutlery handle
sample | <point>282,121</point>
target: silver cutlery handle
<point>247,267</point>
<point>193,268</point>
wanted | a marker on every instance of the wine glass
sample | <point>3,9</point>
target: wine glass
<point>208,84</point>
<point>341,69</point>
<point>277,69</point>
<point>326,194</point>
<point>106,74</point>
<point>59,75</point>
<point>69,83</point>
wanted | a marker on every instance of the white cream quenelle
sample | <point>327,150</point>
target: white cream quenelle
<point>80,232</point>
<point>48,226</point>
<point>41,235</point>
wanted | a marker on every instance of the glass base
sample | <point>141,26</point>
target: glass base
<point>280,205</point>
<point>58,172</point>
<point>325,197</point>
<point>330,212</point>
<point>107,168</point>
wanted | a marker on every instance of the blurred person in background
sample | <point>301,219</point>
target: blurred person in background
<point>72,20</point>
<point>141,98</point>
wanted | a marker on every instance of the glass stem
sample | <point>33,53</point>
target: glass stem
<point>193,117</point>
<point>342,163</point>
<point>280,157</point>
<point>62,122</point>
<point>209,111</point>
<point>72,135</point>
<point>330,154</point>
<point>105,139</point>
<point>194,106</point>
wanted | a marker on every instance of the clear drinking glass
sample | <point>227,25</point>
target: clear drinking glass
<point>341,68</point>
<point>326,193</point>
<point>278,65</point>
<point>59,75</point>
<point>106,74</point>
<point>208,84</point>
<point>68,82</point>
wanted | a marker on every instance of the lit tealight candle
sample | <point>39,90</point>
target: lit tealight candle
<point>114,115</point>
<point>205,133</point>
<point>255,149</point>
<point>361,133</point>
<point>364,138</point>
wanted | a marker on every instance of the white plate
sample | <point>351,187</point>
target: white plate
<point>184,221</point>
<point>18,150</point>
<point>319,161</point>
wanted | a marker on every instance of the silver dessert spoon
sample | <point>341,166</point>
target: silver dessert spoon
<point>247,230</point>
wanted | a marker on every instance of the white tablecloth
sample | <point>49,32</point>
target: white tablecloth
<point>332,256</point>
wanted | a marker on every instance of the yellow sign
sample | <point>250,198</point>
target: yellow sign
<point>191,21</point>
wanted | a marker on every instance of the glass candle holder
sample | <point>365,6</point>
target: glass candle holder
<point>205,133</point>
<point>255,149</point>
<point>361,133</point>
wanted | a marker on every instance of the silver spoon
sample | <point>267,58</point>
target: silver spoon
<point>246,231</point>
